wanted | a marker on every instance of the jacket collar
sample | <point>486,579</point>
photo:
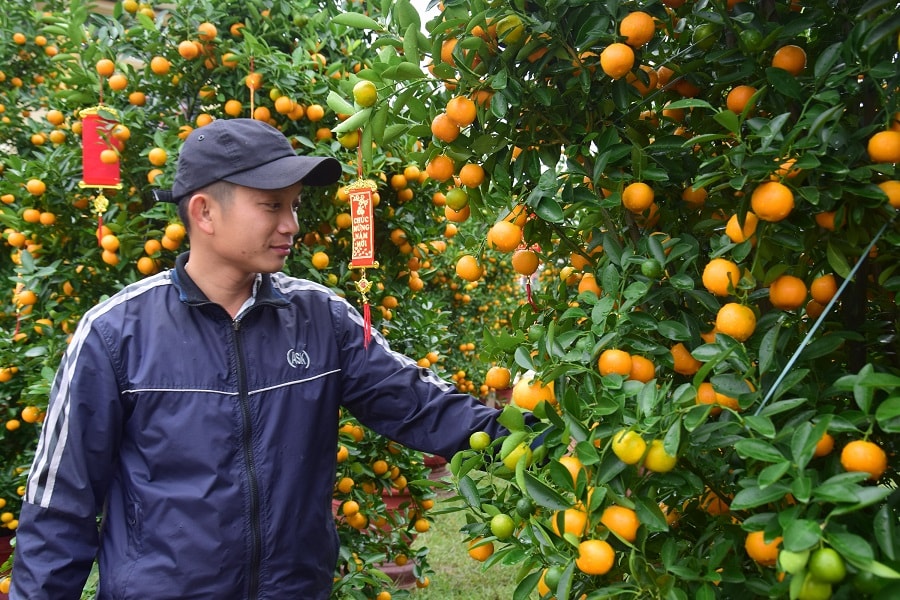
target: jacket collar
<point>190,292</point>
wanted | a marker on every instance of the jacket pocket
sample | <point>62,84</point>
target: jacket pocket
<point>134,518</point>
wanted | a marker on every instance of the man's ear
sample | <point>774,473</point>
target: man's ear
<point>200,209</point>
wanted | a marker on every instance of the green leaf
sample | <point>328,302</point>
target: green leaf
<point>384,40</point>
<point>404,71</point>
<point>690,103</point>
<point>526,587</point>
<point>523,358</point>
<point>674,331</point>
<point>873,6</point>
<point>357,21</point>
<point>783,406</point>
<point>880,32</point>
<point>728,120</point>
<point>805,438</point>
<point>863,395</point>
<point>824,117</point>
<point>512,418</point>
<point>544,495</point>
<point>695,417</point>
<point>672,439</point>
<point>801,534</point>
<point>888,415</point>
<point>837,261</point>
<point>702,139</point>
<point>456,462</point>
<point>867,377</point>
<point>790,380</point>
<point>549,210</point>
<point>371,75</point>
<point>469,491</point>
<point>610,278</point>
<point>784,82</point>
<point>406,15</point>
<point>512,441</point>
<point>771,131</point>
<point>656,249</point>
<point>801,488</point>
<point>338,104</point>
<point>36,351</point>
<point>602,309</point>
<point>754,496</point>
<point>827,59</point>
<point>801,443</point>
<point>461,467</point>
<point>823,346</point>
<point>146,22</point>
<point>855,549</point>
<point>882,570</point>
<point>839,489</point>
<point>773,473</point>
<point>394,131</point>
<point>649,514</point>
<point>378,123</point>
<point>758,449</point>
<point>762,425</point>
<point>411,43</point>
<point>865,496</point>
<point>647,399</point>
<point>354,121</point>
<point>886,531</point>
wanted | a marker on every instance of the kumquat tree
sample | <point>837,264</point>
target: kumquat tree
<point>668,229</point>
<point>715,368</point>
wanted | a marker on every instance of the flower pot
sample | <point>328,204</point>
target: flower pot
<point>398,504</point>
<point>402,576</point>
<point>395,499</point>
<point>438,466</point>
<point>5,551</point>
<point>499,398</point>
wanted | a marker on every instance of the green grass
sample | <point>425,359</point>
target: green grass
<point>456,575</point>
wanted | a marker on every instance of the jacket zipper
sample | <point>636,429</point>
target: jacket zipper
<point>247,440</point>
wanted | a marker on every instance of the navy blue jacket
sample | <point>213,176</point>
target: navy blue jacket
<point>208,443</point>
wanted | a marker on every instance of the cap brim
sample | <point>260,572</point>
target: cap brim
<point>286,171</point>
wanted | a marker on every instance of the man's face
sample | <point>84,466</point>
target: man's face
<point>255,229</point>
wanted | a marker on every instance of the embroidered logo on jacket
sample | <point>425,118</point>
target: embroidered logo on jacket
<point>298,359</point>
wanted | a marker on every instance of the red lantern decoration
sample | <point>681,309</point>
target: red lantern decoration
<point>98,170</point>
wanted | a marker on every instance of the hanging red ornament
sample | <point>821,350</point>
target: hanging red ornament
<point>99,157</point>
<point>363,244</point>
<point>98,124</point>
<point>362,255</point>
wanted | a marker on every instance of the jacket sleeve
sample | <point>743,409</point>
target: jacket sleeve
<point>57,537</point>
<point>392,395</point>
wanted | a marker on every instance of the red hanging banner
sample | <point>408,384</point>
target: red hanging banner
<point>362,235</point>
<point>363,226</point>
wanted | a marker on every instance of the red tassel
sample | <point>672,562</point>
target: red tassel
<point>367,325</point>
<point>99,228</point>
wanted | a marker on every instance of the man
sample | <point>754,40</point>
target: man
<point>196,411</point>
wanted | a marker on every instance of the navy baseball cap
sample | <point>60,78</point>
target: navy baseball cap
<point>247,152</point>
